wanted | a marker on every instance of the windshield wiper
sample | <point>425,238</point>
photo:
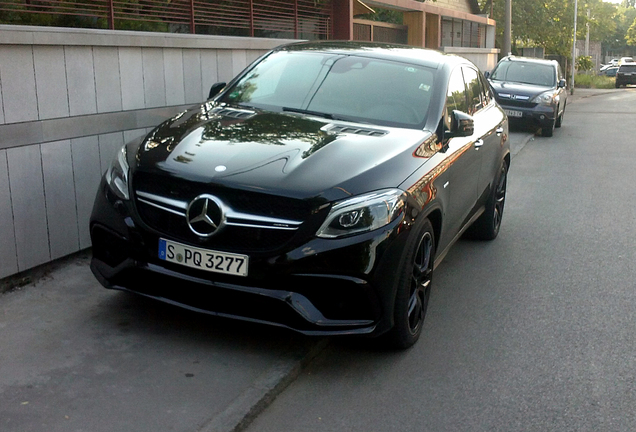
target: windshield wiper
<point>304,111</point>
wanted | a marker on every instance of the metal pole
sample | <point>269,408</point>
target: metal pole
<point>576,7</point>
<point>587,34</point>
<point>193,25</point>
<point>507,48</point>
<point>111,15</point>
<point>251,18</point>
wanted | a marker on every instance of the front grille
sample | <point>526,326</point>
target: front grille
<point>516,103</point>
<point>162,202</point>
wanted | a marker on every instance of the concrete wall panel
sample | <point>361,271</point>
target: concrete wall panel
<point>87,173</point>
<point>59,189</point>
<point>132,78</point>
<point>80,77</point>
<point>192,76</point>
<point>107,79</point>
<point>239,61</point>
<point>253,55</point>
<point>18,83</point>
<point>109,144</point>
<point>132,134</point>
<point>224,62</point>
<point>154,77</point>
<point>209,71</point>
<point>1,104</point>
<point>29,209</point>
<point>8,257</point>
<point>50,80</point>
<point>173,70</point>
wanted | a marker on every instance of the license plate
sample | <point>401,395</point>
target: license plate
<point>513,113</point>
<point>203,259</point>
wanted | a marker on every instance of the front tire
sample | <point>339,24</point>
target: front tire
<point>559,120</point>
<point>414,287</point>
<point>547,130</point>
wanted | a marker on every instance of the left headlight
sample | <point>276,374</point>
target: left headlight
<point>117,175</point>
<point>363,213</point>
<point>546,98</point>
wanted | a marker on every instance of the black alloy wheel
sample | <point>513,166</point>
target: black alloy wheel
<point>486,227</point>
<point>414,288</point>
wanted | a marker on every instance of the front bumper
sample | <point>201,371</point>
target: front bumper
<point>539,115</point>
<point>322,287</point>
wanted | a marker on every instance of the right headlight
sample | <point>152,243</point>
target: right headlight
<point>546,98</point>
<point>363,213</point>
<point>117,175</point>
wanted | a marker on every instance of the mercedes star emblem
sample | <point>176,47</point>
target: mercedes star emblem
<point>205,215</point>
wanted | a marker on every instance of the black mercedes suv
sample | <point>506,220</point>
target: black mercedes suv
<point>317,191</point>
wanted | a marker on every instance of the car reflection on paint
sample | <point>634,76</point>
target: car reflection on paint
<point>316,191</point>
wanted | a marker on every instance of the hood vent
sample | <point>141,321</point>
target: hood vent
<point>357,130</point>
<point>233,113</point>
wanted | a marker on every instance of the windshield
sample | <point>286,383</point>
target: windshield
<point>337,86</point>
<point>627,68</point>
<point>525,73</point>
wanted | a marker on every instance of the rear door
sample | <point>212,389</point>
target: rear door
<point>490,129</point>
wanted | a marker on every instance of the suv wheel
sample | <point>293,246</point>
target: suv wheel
<point>547,129</point>
<point>559,119</point>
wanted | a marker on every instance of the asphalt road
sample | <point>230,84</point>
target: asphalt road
<point>532,332</point>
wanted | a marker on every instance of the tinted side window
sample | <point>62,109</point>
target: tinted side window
<point>486,87</point>
<point>476,99</point>
<point>456,95</point>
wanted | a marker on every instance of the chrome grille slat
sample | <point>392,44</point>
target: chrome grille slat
<point>233,217</point>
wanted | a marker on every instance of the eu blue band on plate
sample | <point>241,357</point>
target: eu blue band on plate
<point>162,249</point>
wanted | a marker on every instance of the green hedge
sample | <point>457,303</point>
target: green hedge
<point>594,81</point>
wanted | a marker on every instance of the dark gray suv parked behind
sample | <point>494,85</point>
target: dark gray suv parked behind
<point>626,74</point>
<point>530,90</point>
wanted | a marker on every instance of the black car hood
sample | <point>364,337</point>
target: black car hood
<point>529,90</point>
<point>280,153</point>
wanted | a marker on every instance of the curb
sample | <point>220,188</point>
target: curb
<point>254,400</point>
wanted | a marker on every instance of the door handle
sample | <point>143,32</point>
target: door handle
<point>479,143</point>
<point>499,130</point>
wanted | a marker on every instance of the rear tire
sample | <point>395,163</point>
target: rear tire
<point>414,287</point>
<point>488,224</point>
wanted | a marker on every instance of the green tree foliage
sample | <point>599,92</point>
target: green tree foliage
<point>550,23</point>
<point>631,34</point>
<point>584,63</point>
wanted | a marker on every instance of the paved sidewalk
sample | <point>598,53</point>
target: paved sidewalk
<point>77,357</point>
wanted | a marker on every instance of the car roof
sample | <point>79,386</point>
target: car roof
<point>394,52</point>
<point>529,60</point>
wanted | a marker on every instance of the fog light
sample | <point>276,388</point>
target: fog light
<point>542,117</point>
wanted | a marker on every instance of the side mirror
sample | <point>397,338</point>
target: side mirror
<point>487,74</point>
<point>216,89</point>
<point>562,83</point>
<point>462,125</point>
